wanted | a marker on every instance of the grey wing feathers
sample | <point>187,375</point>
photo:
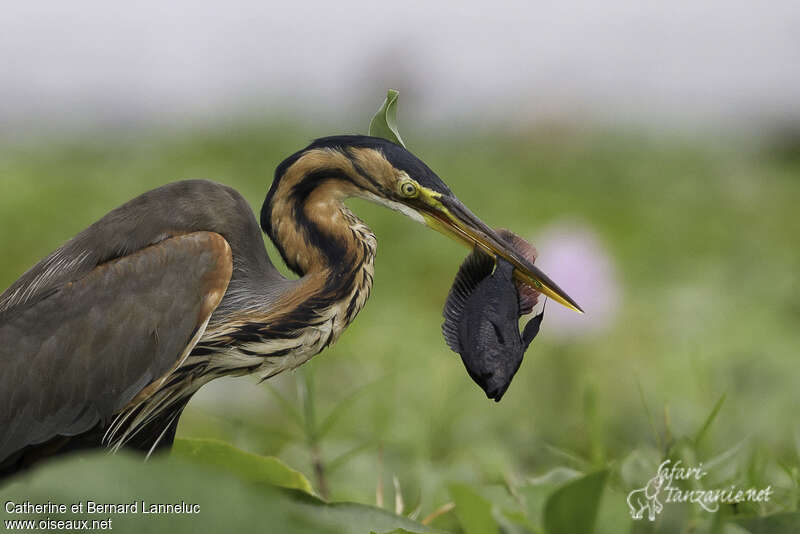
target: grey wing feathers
<point>81,352</point>
<point>174,209</point>
<point>476,267</point>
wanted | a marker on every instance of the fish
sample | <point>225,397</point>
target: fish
<point>481,317</point>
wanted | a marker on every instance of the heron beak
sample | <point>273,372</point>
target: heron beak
<point>451,217</point>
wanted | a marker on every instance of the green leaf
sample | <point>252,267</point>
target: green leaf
<point>338,461</point>
<point>554,477</point>
<point>227,502</point>
<point>536,492</point>
<point>568,456</point>
<point>341,408</point>
<point>701,434</point>
<point>639,466</point>
<point>384,122</point>
<point>573,507</point>
<point>353,517</point>
<point>725,465</point>
<point>730,528</point>
<point>244,465</point>
<point>784,523</point>
<point>647,412</point>
<point>473,511</point>
<point>290,408</point>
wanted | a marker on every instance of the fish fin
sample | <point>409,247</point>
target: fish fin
<point>476,267</point>
<point>527,296</point>
<point>531,330</point>
<point>522,247</point>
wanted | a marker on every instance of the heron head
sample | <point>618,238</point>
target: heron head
<point>378,170</point>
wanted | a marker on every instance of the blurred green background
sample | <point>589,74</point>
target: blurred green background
<point>694,242</point>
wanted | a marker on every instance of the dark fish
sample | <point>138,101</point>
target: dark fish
<point>482,318</point>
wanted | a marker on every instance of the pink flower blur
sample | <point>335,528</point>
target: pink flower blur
<point>573,255</point>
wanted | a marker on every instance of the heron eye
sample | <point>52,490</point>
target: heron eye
<point>408,189</point>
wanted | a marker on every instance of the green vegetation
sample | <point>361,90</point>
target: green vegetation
<point>699,364</point>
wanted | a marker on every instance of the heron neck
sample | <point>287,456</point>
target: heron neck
<point>331,249</point>
<point>317,233</point>
<point>333,252</point>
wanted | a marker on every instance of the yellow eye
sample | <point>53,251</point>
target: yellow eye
<point>409,189</point>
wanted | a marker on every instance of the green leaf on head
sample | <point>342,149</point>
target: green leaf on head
<point>384,122</point>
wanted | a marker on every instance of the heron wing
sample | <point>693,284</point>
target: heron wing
<point>79,354</point>
<point>173,209</point>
